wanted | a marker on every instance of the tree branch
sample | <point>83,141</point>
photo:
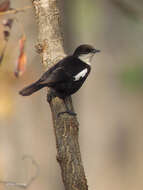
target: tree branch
<point>14,11</point>
<point>50,47</point>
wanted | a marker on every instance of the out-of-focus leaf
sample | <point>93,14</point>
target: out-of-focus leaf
<point>4,6</point>
<point>22,43</point>
<point>21,65</point>
<point>8,22</point>
<point>22,59</point>
<point>6,35</point>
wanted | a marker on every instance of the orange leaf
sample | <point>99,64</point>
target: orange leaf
<point>22,43</point>
<point>22,59</point>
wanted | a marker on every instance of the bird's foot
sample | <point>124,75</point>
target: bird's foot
<point>68,112</point>
<point>50,96</point>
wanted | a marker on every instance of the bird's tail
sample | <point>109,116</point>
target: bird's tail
<point>31,89</point>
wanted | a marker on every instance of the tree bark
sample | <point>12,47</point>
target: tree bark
<point>50,47</point>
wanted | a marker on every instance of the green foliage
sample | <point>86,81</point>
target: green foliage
<point>132,77</point>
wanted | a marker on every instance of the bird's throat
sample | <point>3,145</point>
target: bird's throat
<point>86,58</point>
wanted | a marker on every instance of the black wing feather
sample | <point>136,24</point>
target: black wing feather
<point>58,75</point>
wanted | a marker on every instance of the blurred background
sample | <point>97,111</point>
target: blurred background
<point>109,105</point>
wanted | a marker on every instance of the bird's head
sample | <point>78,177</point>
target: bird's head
<point>85,53</point>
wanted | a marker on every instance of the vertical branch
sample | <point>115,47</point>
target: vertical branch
<point>50,40</point>
<point>50,47</point>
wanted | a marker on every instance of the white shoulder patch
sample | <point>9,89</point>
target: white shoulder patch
<point>80,74</point>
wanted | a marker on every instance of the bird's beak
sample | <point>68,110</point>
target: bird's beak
<point>96,51</point>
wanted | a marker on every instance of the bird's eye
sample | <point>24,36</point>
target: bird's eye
<point>87,50</point>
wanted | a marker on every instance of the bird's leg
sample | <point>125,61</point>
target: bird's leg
<point>67,109</point>
<point>54,94</point>
<point>50,95</point>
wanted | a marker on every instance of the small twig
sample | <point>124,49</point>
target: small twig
<point>14,11</point>
<point>24,185</point>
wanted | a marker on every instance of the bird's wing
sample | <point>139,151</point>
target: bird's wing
<point>57,75</point>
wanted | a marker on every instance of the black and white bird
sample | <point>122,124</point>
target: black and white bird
<point>68,75</point>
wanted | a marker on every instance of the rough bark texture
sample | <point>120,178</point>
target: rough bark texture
<point>50,46</point>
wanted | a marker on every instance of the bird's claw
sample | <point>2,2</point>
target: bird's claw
<point>50,96</point>
<point>68,112</point>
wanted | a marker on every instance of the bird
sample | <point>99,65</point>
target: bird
<point>67,76</point>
